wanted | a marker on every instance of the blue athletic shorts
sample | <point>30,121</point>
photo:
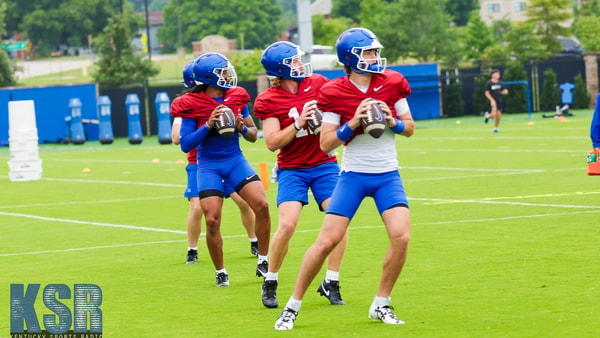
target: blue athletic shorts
<point>293,184</point>
<point>214,174</point>
<point>385,188</point>
<point>192,183</point>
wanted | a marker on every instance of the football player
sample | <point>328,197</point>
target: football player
<point>285,108</point>
<point>369,165</point>
<point>194,219</point>
<point>220,159</point>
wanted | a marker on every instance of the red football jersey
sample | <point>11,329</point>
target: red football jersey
<point>340,96</point>
<point>200,106</point>
<point>304,151</point>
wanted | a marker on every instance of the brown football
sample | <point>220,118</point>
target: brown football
<point>226,123</point>
<point>315,122</point>
<point>375,123</point>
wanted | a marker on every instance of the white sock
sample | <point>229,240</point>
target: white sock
<point>262,258</point>
<point>294,304</point>
<point>194,248</point>
<point>253,239</point>
<point>222,270</point>
<point>332,275</point>
<point>272,275</point>
<point>381,301</point>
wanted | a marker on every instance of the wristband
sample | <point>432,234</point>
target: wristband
<point>244,131</point>
<point>296,126</point>
<point>206,125</point>
<point>399,127</point>
<point>344,132</point>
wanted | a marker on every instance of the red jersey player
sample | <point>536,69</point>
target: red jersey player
<point>284,109</point>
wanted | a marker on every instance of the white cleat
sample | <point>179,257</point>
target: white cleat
<point>286,319</point>
<point>385,313</point>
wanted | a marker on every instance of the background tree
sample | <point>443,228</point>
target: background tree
<point>547,17</point>
<point>153,5</point>
<point>7,67</point>
<point>247,65</point>
<point>479,37</point>
<point>370,12</point>
<point>586,30</point>
<point>118,66</point>
<point>581,97</point>
<point>500,28</point>
<point>460,10</point>
<point>51,23</point>
<point>425,36</point>
<point>253,24</point>
<point>550,97</point>
<point>348,9</point>
<point>516,100</point>
<point>588,8</point>
<point>522,42</point>
<point>326,32</point>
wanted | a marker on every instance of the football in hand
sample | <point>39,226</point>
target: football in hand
<point>315,121</point>
<point>375,123</point>
<point>226,123</point>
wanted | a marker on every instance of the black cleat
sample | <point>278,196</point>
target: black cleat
<point>262,269</point>
<point>192,257</point>
<point>269,294</point>
<point>254,248</point>
<point>331,290</point>
<point>222,279</point>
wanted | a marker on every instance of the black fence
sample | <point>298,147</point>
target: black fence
<point>149,116</point>
<point>565,67</point>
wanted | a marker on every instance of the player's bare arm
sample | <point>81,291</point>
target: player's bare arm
<point>248,129</point>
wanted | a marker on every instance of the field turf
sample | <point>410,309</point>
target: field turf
<point>504,239</point>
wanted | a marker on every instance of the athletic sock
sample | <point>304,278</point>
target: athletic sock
<point>272,275</point>
<point>332,275</point>
<point>294,304</point>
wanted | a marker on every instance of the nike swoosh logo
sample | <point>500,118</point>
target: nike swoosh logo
<point>377,88</point>
<point>326,292</point>
<point>307,89</point>
<point>249,177</point>
<point>227,99</point>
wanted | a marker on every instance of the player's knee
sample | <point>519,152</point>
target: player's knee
<point>261,208</point>
<point>212,222</point>
<point>286,226</point>
<point>400,240</point>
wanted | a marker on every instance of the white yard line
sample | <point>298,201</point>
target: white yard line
<point>10,207</point>
<point>353,228</point>
<point>102,224</point>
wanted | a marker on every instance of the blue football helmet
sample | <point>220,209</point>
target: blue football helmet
<point>282,59</point>
<point>188,75</point>
<point>214,70</point>
<point>350,46</point>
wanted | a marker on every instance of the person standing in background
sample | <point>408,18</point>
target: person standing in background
<point>494,89</point>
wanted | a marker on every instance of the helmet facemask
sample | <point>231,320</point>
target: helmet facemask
<point>298,70</point>
<point>226,77</point>
<point>371,64</point>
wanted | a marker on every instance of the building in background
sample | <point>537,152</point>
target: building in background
<point>513,10</point>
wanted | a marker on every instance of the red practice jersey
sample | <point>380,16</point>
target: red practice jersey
<point>304,151</point>
<point>340,96</point>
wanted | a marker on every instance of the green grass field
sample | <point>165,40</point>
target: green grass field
<point>504,239</point>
